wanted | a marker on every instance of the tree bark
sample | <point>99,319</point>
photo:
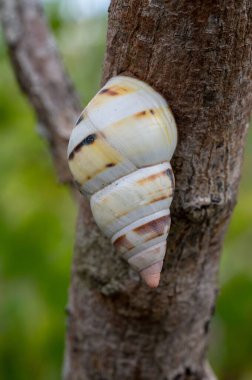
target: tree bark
<point>198,55</point>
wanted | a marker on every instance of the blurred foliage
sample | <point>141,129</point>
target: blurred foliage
<point>231,338</point>
<point>37,232</point>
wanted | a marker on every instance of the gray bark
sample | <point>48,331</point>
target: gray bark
<point>198,55</point>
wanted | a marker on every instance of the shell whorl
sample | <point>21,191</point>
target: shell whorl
<point>119,155</point>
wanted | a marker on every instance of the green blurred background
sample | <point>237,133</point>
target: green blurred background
<point>37,220</point>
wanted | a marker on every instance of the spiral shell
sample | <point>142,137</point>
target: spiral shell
<point>119,154</point>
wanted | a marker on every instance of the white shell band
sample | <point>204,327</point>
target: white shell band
<point>140,222</point>
<point>148,257</point>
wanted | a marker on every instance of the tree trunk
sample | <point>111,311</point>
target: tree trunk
<point>198,55</point>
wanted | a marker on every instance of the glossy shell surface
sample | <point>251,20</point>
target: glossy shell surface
<point>119,154</point>
<point>132,197</point>
<point>126,126</point>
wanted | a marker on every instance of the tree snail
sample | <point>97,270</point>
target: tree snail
<point>119,154</point>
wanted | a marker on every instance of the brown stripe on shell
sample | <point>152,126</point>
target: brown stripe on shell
<point>151,178</point>
<point>146,113</point>
<point>125,212</point>
<point>133,118</point>
<point>140,114</point>
<point>149,231</point>
<point>90,139</point>
<point>162,197</point>
<point>94,174</point>
<point>154,227</point>
<point>114,91</point>
<point>122,241</point>
<point>101,170</point>
<point>108,91</point>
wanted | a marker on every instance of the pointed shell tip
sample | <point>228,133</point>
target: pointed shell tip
<point>151,274</point>
<point>152,280</point>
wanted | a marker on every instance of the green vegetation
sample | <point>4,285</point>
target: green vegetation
<point>37,220</point>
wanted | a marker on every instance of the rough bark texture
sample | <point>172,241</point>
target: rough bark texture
<point>198,55</point>
<point>41,75</point>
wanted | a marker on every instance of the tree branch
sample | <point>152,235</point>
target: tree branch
<point>41,75</point>
<point>198,55</point>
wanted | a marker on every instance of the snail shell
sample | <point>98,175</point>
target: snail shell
<point>119,154</point>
